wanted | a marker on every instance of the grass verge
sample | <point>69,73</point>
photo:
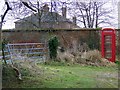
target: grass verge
<point>72,76</point>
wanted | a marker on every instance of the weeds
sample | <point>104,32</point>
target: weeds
<point>8,74</point>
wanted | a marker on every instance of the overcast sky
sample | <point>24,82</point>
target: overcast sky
<point>9,23</point>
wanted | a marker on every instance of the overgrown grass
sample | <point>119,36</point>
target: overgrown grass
<point>62,75</point>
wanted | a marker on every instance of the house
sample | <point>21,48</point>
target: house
<point>46,20</point>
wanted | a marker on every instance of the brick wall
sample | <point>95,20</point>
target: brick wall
<point>66,37</point>
<point>118,45</point>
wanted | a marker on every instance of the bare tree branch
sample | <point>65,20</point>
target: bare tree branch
<point>6,11</point>
<point>83,17</point>
<point>91,12</point>
<point>8,8</point>
<point>26,4</point>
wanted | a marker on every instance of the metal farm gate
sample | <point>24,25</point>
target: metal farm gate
<point>20,51</point>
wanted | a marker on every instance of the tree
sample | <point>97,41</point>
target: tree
<point>2,20</point>
<point>91,14</point>
<point>5,13</point>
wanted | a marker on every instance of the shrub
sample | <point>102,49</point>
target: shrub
<point>53,45</point>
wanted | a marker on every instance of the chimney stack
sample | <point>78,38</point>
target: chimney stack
<point>74,20</point>
<point>45,8</point>
<point>64,12</point>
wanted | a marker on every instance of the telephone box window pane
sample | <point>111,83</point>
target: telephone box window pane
<point>108,48</point>
<point>108,39</point>
<point>108,56</point>
<point>108,45</point>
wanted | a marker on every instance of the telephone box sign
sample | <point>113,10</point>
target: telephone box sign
<point>108,44</point>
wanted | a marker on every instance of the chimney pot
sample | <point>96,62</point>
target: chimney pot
<point>45,8</point>
<point>74,20</point>
<point>64,12</point>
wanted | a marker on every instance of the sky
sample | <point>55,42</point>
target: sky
<point>9,23</point>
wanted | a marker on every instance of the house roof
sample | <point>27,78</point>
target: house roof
<point>46,17</point>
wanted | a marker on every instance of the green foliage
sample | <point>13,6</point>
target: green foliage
<point>53,45</point>
<point>93,40</point>
<point>8,74</point>
<point>118,63</point>
<point>25,72</point>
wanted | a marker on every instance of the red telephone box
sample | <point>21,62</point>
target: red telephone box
<point>108,44</point>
